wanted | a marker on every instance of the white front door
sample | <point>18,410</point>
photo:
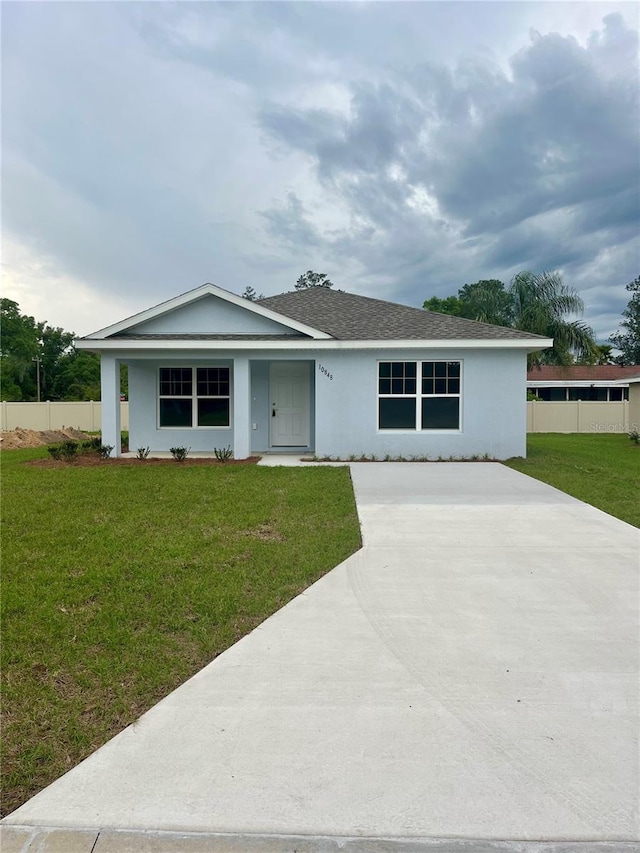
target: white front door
<point>289,384</point>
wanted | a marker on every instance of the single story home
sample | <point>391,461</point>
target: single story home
<point>595,382</point>
<point>314,371</point>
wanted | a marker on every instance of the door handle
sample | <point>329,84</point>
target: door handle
<point>273,412</point>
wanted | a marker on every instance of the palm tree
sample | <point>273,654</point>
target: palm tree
<point>541,304</point>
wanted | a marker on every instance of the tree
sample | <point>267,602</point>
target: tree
<point>77,376</point>
<point>540,304</point>
<point>312,279</point>
<point>486,300</point>
<point>251,295</point>
<point>32,351</point>
<point>448,305</point>
<point>19,346</point>
<point>628,342</point>
<point>603,354</point>
<point>54,344</point>
<point>537,303</point>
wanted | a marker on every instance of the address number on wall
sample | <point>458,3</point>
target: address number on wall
<point>324,370</point>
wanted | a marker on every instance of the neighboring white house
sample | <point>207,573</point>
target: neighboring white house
<point>314,370</point>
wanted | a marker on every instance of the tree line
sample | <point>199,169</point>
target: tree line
<point>38,361</point>
<point>542,304</point>
<point>36,357</point>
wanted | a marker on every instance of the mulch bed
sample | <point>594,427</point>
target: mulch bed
<point>92,460</point>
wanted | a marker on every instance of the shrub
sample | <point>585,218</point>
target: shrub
<point>143,452</point>
<point>179,453</point>
<point>223,454</point>
<point>93,443</point>
<point>54,451</point>
<point>105,450</point>
<point>69,449</point>
<point>634,435</point>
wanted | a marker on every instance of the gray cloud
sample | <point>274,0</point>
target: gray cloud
<point>541,166</point>
<point>404,149</point>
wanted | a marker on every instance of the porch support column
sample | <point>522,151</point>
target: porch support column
<point>241,409</point>
<point>110,401</point>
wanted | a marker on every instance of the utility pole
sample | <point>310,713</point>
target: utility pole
<point>37,361</point>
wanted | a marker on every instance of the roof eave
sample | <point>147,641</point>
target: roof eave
<point>577,383</point>
<point>113,344</point>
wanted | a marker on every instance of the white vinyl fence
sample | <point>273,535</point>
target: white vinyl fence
<point>577,416</point>
<point>43,416</point>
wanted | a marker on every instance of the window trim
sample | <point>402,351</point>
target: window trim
<point>418,397</point>
<point>194,397</point>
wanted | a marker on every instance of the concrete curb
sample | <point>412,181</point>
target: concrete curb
<point>25,839</point>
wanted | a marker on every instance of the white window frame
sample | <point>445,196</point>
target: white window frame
<point>194,396</point>
<point>418,396</point>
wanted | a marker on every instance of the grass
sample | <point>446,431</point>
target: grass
<point>121,582</point>
<point>602,470</point>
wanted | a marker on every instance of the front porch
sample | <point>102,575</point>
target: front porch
<point>253,405</point>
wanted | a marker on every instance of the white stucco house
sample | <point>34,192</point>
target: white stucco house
<point>315,370</point>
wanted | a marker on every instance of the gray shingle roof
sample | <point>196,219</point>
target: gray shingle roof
<point>347,317</point>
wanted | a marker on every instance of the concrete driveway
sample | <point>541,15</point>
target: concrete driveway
<point>471,673</point>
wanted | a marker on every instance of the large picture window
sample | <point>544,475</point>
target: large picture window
<point>419,395</point>
<point>194,396</point>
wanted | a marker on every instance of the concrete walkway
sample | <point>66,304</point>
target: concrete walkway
<point>471,673</point>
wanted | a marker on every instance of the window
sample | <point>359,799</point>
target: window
<point>592,394</point>
<point>419,395</point>
<point>194,396</point>
<point>552,395</point>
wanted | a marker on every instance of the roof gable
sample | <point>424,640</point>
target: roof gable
<point>208,310</point>
<point>210,315</point>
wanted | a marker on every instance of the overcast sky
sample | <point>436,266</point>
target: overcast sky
<point>402,148</point>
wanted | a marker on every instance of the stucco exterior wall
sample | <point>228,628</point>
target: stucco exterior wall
<point>210,316</point>
<point>143,411</point>
<point>344,405</point>
<point>493,406</point>
<point>143,415</point>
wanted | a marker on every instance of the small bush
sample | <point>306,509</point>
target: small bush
<point>179,453</point>
<point>143,452</point>
<point>223,454</point>
<point>634,435</point>
<point>69,449</point>
<point>105,450</point>
<point>54,451</point>
<point>93,443</point>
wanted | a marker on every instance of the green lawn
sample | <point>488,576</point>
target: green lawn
<point>119,582</point>
<point>602,470</point>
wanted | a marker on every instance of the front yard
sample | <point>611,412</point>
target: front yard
<point>602,470</point>
<point>122,581</point>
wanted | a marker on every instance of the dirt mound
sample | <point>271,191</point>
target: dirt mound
<point>17,438</point>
